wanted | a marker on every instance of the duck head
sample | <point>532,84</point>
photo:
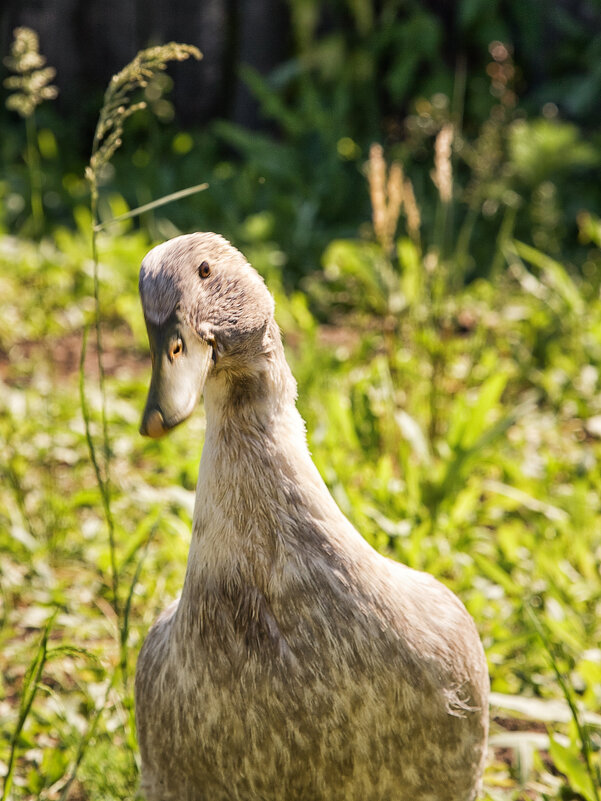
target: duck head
<point>206,310</point>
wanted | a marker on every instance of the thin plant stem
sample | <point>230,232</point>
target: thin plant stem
<point>107,139</point>
<point>464,238</point>
<point>102,484</point>
<point>30,688</point>
<point>567,693</point>
<point>117,107</point>
<point>99,353</point>
<point>504,235</point>
<point>155,204</point>
<point>85,740</point>
<point>35,175</point>
<point>103,480</point>
<point>124,634</point>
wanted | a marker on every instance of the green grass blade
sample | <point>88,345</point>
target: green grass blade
<point>155,204</point>
<point>85,740</point>
<point>100,480</point>
<point>555,275</point>
<point>28,694</point>
<point>593,774</point>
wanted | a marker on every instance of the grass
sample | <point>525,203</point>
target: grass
<point>516,498</point>
<point>458,427</point>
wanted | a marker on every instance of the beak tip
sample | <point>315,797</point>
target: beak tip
<point>153,425</point>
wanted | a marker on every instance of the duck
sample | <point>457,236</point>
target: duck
<point>298,664</point>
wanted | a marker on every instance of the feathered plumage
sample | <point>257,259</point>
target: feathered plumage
<point>299,664</point>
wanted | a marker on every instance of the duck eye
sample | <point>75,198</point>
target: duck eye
<point>175,349</point>
<point>204,270</point>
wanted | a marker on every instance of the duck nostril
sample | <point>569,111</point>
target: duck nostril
<point>176,349</point>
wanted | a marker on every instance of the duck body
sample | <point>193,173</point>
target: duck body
<point>298,664</point>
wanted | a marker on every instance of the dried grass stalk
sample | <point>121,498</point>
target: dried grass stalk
<point>412,213</point>
<point>443,171</point>
<point>386,190</point>
<point>394,189</point>
<point>377,190</point>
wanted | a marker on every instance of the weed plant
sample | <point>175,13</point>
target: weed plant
<point>457,424</point>
<point>107,139</point>
<point>31,85</point>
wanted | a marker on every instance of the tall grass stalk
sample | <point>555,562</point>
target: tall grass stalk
<point>100,479</point>
<point>86,739</point>
<point>31,84</point>
<point>155,204</point>
<point>124,629</point>
<point>117,107</point>
<point>30,688</point>
<point>35,175</point>
<point>585,741</point>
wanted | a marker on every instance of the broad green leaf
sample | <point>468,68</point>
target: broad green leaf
<point>488,398</point>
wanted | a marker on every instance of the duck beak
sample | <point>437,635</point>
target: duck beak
<point>181,361</point>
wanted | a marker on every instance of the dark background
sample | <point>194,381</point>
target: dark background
<point>557,44</point>
<point>279,115</point>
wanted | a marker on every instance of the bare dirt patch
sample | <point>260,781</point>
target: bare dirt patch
<point>61,355</point>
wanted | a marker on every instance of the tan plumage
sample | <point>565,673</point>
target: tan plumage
<point>299,664</point>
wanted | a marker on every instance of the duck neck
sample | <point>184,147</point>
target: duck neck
<point>258,493</point>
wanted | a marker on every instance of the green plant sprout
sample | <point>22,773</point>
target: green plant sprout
<point>31,86</point>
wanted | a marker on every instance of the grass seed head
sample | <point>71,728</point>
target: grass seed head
<point>395,189</point>
<point>443,171</point>
<point>118,104</point>
<point>386,190</point>
<point>377,190</point>
<point>412,213</point>
<point>31,81</point>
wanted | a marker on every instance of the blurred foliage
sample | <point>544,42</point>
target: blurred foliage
<point>395,72</point>
<point>30,81</point>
